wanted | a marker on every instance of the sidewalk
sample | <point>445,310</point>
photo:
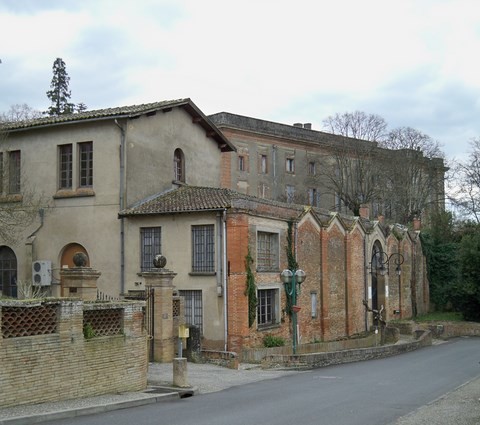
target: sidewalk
<point>203,378</point>
<point>460,407</point>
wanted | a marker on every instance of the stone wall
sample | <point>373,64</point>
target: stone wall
<point>64,349</point>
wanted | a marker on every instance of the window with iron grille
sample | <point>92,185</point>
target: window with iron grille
<point>14,172</point>
<point>193,308</point>
<point>267,307</point>
<point>85,151</point>
<point>267,251</point>
<point>65,159</point>
<point>203,249</point>
<point>150,239</point>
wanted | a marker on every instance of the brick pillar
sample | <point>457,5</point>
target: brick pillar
<point>161,280</point>
<point>80,282</point>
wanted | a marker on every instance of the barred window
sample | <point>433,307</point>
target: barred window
<point>193,307</point>
<point>267,307</point>
<point>267,251</point>
<point>150,246</point>
<point>85,151</point>
<point>203,249</point>
<point>65,166</point>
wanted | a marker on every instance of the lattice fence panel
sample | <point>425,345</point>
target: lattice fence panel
<point>176,307</point>
<point>104,322</point>
<point>29,321</point>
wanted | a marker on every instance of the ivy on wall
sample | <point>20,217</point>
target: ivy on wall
<point>292,263</point>
<point>250,290</point>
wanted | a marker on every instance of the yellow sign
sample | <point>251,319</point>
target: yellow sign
<point>183,331</point>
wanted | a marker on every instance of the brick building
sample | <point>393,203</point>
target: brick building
<point>346,259</point>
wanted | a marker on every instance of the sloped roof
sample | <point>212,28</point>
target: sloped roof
<point>197,198</point>
<point>132,111</point>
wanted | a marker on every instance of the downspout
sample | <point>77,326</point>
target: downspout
<point>365,279</point>
<point>121,202</point>
<point>225,305</point>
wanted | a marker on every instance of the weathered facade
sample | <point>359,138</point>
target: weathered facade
<point>294,163</point>
<point>334,250</point>
<point>89,166</point>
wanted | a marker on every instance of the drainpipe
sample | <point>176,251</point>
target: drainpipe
<point>224,273</point>
<point>121,202</point>
<point>365,279</point>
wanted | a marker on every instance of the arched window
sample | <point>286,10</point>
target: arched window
<point>8,272</point>
<point>179,166</point>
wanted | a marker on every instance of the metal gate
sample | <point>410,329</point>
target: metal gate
<point>148,315</point>
<point>149,318</point>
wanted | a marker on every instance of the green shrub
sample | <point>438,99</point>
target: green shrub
<point>273,341</point>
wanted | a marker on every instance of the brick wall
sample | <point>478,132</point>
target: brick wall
<point>63,364</point>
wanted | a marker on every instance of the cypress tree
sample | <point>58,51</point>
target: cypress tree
<point>59,94</point>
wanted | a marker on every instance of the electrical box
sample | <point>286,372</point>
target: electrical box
<point>42,273</point>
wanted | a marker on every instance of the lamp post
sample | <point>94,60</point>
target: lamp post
<point>380,262</point>
<point>290,279</point>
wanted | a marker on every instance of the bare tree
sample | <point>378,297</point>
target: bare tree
<point>465,186</point>
<point>351,174</point>
<point>357,125</point>
<point>20,112</point>
<point>20,203</point>
<point>415,182</point>
<point>410,138</point>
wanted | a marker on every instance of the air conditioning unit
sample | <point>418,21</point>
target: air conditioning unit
<point>42,273</point>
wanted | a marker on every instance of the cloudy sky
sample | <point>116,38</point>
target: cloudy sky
<point>414,62</point>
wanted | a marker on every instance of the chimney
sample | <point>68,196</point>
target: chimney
<point>307,125</point>
<point>298,124</point>
<point>364,211</point>
<point>381,219</point>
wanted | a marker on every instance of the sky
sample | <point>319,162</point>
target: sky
<point>416,63</point>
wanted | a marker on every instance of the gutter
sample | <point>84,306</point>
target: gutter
<point>121,202</point>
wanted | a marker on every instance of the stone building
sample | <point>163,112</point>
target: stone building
<point>294,163</point>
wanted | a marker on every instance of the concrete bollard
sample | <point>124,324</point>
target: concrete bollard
<point>180,378</point>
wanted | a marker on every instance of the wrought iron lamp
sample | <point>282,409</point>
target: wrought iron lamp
<point>290,279</point>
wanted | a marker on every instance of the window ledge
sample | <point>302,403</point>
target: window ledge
<point>78,193</point>
<point>13,197</point>
<point>202,273</point>
<point>268,327</point>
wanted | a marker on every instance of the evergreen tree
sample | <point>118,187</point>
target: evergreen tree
<point>59,94</point>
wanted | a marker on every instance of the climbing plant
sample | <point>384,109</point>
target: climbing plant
<point>250,290</point>
<point>292,263</point>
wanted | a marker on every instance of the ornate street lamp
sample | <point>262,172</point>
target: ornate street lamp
<point>290,279</point>
<point>380,262</point>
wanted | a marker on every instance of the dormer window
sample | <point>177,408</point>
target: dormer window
<point>179,166</point>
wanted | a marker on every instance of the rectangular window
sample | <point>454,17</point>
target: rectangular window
<point>312,197</point>
<point>267,307</point>
<point>193,308</point>
<point>14,172</point>
<point>262,190</point>
<point>241,163</point>
<point>313,300</point>
<point>267,251</point>
<point>203,249</point>
<point>290,165</point>
<point>290,193</point>
<point>65,159</point>
<point>151,245</point>
<point>85,154</point>
<point>263,169</point>
<point>312,168</point>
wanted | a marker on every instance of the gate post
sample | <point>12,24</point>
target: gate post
<point>161,282</point>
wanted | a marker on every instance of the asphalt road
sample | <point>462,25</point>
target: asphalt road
<point>376,392</point>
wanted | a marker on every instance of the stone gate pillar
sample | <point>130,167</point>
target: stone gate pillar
<point>161,280</point>
<point>80,281</point>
